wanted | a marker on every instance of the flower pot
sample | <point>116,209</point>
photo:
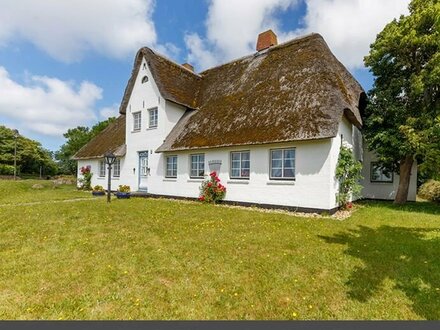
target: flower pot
<point>98,193</point>
<point>122,195</point>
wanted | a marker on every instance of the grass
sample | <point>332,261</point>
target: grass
<point>162,259</point>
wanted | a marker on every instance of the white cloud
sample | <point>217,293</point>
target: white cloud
<point>47,106</point>
<point>107,112</point>
<point>67,29</point>
<point>349,27</point>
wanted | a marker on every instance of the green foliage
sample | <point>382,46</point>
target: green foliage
<point>348,172</point>
<point>30,154</point>
<point>430,191</point>
<point>124,188</point>
<point>211,190</point>
<point>6,169</point>
<point>76,139</point>
<point>403,115</point>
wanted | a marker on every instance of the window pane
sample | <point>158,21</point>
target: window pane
<point>289,173</point>
<point>235,173</point>
<point>245,156</point>
<point>276,172</point>
<point>235,156</point>
<point>246,164</point>
<point>277,163</point>
<point>289,153</point>
<point>235,164</point>
<point>288,163</point>
<point>245,173</point>
<point>277,154</point>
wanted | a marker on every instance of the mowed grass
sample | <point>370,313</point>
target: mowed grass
<point>163,259</point>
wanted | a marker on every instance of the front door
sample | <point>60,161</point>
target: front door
<point>144,171</point>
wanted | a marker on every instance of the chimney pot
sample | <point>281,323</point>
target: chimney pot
<point>266,39</point>
<point>188,66</point>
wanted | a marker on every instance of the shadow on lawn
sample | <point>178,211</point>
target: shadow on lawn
<point>408,256</point>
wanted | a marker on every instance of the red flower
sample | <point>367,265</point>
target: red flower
<point>201,198</point>
<point>217,179</point>
<point>349,205</point>
<point>209,184</point>
<point>213,174</point>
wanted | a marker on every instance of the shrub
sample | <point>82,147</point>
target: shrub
<point>124,188</point>
<point>348,172</point>
<point>211,190</point>
<point>86,180</point>
<point>6,169</point>
<point>430,191</point>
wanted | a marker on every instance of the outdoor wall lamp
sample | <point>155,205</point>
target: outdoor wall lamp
<point>110,159</point>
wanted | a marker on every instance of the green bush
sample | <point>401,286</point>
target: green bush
<point>6,169</point>
<point>430,191</point>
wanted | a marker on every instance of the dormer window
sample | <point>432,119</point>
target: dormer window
<point>145,79</point>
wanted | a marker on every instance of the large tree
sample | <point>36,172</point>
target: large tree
<point>31,156</point>
<point>402,121</point>
<point>76,139</point>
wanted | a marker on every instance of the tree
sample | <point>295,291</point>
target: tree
<point>402,121</point>
<point>76,139</point>
<point>31,156</point>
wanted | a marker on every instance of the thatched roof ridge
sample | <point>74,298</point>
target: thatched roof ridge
<point>112,138</point>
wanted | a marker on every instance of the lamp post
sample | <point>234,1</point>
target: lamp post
<point>16,134</point>
<point>110,159</point>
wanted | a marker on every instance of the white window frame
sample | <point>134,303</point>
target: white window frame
<point>117,168</point>
<point>171,166</point>
<point>153,122</point>
<point>102,169</point>
<point>382,178</point>
<point>241,168</point>
<point>283,167</point>
<point>200,166</point>
<point>137,121</point>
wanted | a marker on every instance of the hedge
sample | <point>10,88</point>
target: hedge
<point>6,169</point>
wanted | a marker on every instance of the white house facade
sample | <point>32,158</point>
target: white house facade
<point>273,145</point>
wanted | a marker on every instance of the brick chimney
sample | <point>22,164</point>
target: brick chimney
<point>188,66</point>
<point>266,39</point>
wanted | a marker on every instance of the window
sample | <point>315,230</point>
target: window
<point>171,170</point>
<point>282,164</point>
<point>197,166</point>
<point>102,169</point>
<point>379,174</point>
<point>137,119</point>
<point>152,118</point>
<point>240,165</point>
<point>117,168</point>
<point>144,79</point>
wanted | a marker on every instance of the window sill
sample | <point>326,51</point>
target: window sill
<point>101,178</point>
<point>281,183</point>
<point>136,131</point>
<point>381,182</point>
<point>170,180</point>
<point>151,128</point>
<point>243,181</point>
<point>116,177</point>
<point>195,180</point>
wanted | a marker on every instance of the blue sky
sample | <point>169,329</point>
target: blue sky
<point>64,64</point>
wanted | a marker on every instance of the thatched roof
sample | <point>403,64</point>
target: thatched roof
<point>294,91</point>
<point>112,138</point>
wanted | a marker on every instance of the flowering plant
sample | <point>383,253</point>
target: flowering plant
<point>211,190</point>
<point>124,188</point>
<point>98,188</point>
<point>86,180</point>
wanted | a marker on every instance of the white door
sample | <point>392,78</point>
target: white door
<point>144,171</point>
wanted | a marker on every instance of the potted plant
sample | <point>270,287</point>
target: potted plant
<point>123,192</point>
<point>98,191</point>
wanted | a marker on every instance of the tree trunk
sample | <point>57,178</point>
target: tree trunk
<point>405,177</point>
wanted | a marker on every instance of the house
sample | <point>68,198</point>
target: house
<point>271,124</point>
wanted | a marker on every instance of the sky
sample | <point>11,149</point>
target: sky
<point>66,63</point>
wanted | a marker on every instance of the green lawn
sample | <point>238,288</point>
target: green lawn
<point>161,259</point>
